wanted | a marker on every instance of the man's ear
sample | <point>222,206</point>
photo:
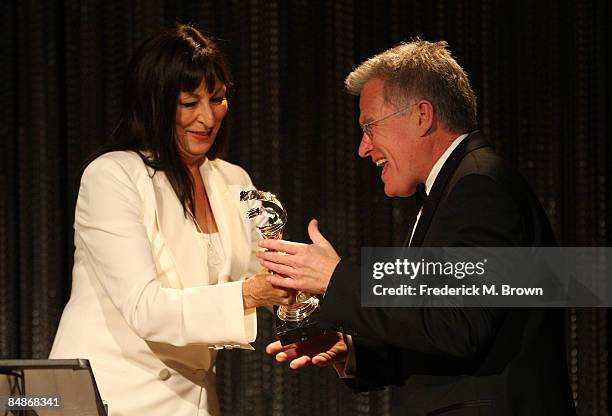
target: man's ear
<point>425,121</point>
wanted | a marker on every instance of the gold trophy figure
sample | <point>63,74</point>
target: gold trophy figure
<point>295,322</point>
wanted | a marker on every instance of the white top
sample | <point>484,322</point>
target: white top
<point>213,255</point>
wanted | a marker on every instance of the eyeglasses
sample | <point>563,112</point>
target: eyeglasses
<point>367,127</point>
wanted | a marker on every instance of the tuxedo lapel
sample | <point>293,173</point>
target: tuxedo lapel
<point>474,141</point>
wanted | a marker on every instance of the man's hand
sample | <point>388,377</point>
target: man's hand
<point>305,267</point>
<point>322,351</point>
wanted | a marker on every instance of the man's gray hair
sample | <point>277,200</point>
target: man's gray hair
<point>421,70</point>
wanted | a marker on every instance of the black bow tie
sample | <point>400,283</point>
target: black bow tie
<point>420,196</point>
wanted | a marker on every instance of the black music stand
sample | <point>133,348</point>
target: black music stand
<point>71,382</point>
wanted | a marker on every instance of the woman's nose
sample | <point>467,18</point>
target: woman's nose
<point>206,115</point>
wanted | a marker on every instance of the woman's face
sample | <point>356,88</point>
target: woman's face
<point>198,118</point>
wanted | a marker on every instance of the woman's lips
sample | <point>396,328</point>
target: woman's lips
<point>200,135</point>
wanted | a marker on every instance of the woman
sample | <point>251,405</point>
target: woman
<point>161,245</point>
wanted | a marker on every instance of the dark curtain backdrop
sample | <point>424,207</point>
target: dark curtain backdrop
<point>540,69</point>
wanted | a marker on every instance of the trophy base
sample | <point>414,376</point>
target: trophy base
<point>289,332</point>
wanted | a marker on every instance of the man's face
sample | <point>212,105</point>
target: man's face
<point>396,145</point>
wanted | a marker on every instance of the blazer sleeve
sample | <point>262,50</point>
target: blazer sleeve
<point>476,213</point>
<point>109,226</point>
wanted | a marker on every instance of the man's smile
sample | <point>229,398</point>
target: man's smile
<point>380,162</point>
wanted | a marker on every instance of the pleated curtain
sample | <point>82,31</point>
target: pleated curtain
<point>541,71</point>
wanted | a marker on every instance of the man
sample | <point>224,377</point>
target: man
<point>418,114</point>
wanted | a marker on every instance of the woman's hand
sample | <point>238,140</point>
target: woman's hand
<point>256,291</point>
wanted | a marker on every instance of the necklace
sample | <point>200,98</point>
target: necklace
<point>213,253</point>
<point>195,222</point>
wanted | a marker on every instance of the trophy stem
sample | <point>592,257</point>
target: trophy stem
<point>296,312</point>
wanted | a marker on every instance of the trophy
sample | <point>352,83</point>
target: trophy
<point>295,322</point>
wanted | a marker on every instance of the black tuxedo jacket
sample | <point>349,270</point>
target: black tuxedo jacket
<point>462,361</point>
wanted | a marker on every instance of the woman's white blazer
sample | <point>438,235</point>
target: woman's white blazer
<point>143,308</point>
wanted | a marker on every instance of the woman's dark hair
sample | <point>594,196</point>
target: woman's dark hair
<point>176,59</point>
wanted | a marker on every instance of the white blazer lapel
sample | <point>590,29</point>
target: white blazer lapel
<point>180,235</point>
<point>226,208</point>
